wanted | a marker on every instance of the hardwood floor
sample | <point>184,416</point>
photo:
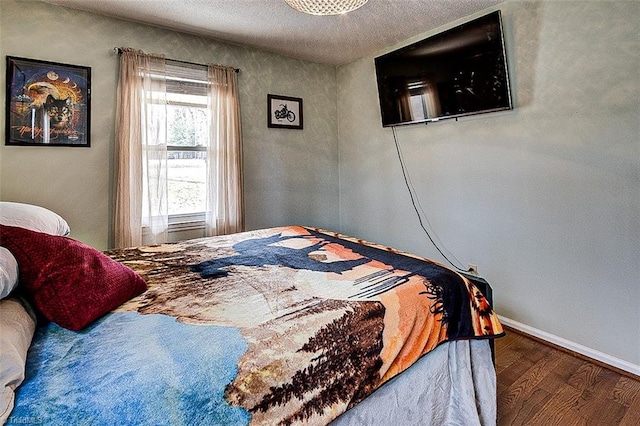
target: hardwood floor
<point>541,385</point>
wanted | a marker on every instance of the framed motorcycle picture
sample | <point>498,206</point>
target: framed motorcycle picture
<point>284,112</point>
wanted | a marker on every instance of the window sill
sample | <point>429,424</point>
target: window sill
<point>186,222</point>
<point>181,227</point>
<point>186,226</point>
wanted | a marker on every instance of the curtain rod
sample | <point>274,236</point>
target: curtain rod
<point>118,50</point>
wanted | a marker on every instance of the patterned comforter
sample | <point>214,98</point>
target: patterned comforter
<point>287,325</point>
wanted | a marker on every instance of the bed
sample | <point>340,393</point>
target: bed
<point>278,326</point>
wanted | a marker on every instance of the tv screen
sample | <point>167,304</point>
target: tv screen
<point>461,71</point>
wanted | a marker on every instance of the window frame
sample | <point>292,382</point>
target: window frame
<point>186,221</point>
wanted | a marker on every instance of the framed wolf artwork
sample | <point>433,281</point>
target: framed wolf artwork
<point>47,103</point>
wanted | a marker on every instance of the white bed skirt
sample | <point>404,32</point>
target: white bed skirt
<point>455,384</point>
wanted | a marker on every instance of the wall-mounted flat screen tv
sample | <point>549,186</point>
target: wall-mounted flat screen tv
<point>459,72</point>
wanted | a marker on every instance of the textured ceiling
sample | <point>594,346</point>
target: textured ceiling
<point>274,26</point>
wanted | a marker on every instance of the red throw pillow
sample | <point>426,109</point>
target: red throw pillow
<point>69,282</point>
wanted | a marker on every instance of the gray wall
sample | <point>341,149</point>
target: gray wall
<point>291,176</point>
<point>544,198</point>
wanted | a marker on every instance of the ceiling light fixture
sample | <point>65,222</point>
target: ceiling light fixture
<point>325,7</point>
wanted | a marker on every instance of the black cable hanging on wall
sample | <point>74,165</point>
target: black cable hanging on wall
<point>415,203</point>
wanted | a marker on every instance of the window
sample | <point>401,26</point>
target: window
<point>187,136</point>
<point>178,149</point>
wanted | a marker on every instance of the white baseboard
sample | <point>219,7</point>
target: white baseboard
<point>572,346</point>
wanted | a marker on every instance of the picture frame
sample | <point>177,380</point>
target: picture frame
<point>284,112</point>
<point>47,103</point>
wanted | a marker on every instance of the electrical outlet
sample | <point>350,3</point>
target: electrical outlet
<point>472,268</point>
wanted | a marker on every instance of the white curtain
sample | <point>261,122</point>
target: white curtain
<point>141,204</point>
<point>141,150</point>
<point>225,210</point>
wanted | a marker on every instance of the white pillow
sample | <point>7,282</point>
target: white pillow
<point>8,272</point>
<point>32,217</point>
<point>17,326</point>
